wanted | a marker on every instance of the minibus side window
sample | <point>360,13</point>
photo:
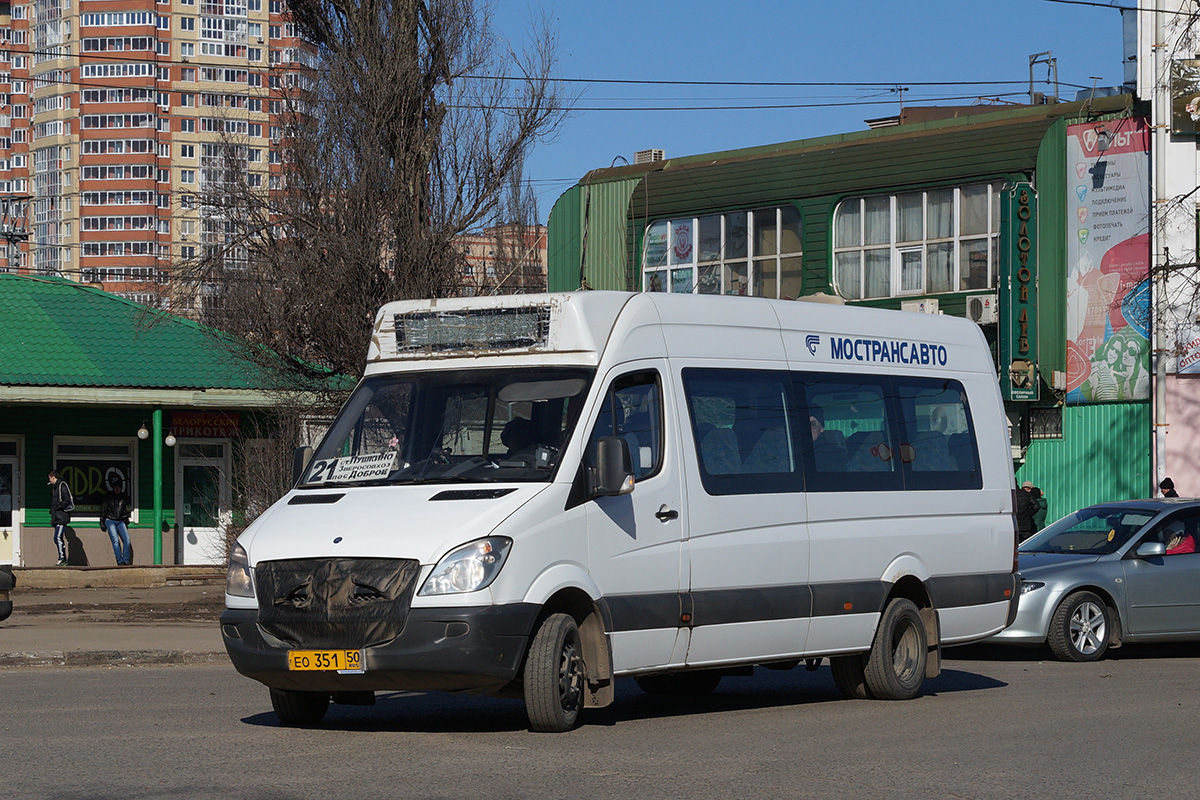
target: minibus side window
<point>852,442</point>
<point>744,430</point>
<point>938,449</point>
<point>633,410</point>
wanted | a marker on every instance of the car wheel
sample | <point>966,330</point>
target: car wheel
<point>849,675</point>
<point>554,676</point>
<point>680,683</point>
<point>1080,628</point>
<point>896,665</point>
<point>299,708</point>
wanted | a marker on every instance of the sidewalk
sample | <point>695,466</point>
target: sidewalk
<point>114,616</point>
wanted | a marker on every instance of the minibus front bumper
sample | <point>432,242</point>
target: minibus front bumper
<point>447,649</point>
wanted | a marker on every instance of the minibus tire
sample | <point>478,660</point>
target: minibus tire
<point>696,682</point>
<point>896,666</point>
<point>555,676</point>
<point>299,708</point>
<point>849,675</point>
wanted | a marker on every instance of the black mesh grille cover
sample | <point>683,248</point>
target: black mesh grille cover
<point>335,602</point>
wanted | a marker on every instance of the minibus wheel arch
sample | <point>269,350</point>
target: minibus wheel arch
<point>599,689</point>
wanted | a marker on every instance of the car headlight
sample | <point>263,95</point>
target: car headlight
<point>237,578</point>
<point>1029,586</point>
<point>468,568</point>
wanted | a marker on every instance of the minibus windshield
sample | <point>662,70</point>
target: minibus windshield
<point>452,426</point>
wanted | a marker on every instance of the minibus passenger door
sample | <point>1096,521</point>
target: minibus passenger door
<point>635,539</point>
<point>748,534</point>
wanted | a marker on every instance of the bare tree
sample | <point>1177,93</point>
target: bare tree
<point>406,133</point>
<point>506,257</point>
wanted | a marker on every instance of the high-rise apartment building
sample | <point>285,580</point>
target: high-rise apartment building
<point>117,115</point>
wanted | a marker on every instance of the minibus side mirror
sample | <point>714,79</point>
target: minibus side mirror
<point>300,459</point>
<point>613,474</point>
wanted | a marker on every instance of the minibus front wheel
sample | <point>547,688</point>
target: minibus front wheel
<point>555,676</point>
<point>299,708</point>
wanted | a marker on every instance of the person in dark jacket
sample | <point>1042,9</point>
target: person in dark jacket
<point>114,518</point>
<point>61,505</point>
<point>1024,512</point>
<point>1168,488</point>
<point>1039,508</point>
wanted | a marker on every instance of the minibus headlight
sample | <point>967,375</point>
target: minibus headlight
<point>1029,586</point>
<point>237,578</point>
<point>468,568</point>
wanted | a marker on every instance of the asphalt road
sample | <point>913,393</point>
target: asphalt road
<point>997,723</point>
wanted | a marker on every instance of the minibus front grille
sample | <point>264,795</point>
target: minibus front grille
<point>335,602</point>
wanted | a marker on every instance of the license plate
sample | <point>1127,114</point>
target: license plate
<point>325,660</point>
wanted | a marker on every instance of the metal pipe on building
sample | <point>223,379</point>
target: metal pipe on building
<point>1161,117</point>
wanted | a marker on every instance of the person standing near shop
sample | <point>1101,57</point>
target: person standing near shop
<point>1167,487</point>
<point>114,518</point>
<point>1039,508</point>
<point>61,506</point>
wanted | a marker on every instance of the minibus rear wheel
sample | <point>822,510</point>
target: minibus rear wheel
<point>555,676</point>
<point>849,675</point>
<point>896,666</point>
<point>299,708</point>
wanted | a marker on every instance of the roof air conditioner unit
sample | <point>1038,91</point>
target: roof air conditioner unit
<point>648,156</point>
<point>982,309</point>
<point>929,305</point>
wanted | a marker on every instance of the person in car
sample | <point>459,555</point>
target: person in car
<point>1177,539</point>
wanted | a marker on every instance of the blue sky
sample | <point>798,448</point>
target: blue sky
<point>871,41</point>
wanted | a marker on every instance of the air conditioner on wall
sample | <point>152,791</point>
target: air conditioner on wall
<point>982,309</point>
<point>929,305</point>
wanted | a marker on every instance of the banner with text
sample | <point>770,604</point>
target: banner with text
<point>1108,261</point>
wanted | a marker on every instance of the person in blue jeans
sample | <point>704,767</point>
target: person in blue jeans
<point>114,518</point>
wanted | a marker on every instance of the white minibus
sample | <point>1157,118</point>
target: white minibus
<point>536,495</point>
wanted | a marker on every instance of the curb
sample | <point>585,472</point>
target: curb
<point>112,658</point>
<point>134,577</point>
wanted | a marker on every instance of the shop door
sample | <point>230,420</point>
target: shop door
<point>201,502</point>
<point>10,511</point>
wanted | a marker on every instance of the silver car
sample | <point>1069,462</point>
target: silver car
<point>1110,574</point>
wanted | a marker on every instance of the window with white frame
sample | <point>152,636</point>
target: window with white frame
<point>924,242</point>
<point>755,252</point>
<point>89,465</point>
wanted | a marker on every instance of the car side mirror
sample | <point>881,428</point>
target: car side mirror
<point>1151,549</point>
<point>300,459</point>
<point>613,474</point>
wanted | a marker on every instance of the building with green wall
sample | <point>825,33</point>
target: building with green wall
<point>95,387</point>
<point>976,216</point>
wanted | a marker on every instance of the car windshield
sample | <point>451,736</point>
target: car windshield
<point>1097,530</point>
<point>452,426</point>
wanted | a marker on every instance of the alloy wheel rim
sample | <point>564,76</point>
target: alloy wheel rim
<point>1088,628</point>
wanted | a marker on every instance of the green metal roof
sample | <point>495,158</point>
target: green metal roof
<point>55,332</point>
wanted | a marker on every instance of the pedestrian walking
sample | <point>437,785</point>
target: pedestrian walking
<point>114,518</point>
<point>61,506</point>
<point>1167,486</point>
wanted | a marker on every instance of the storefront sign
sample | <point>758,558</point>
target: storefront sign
<point>205,424</point>
<point>1108,261</point>
<point>1019,275</point>
<point>91,478</point>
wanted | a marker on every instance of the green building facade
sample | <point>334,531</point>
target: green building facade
<point>97,388</point>
<point>925,216</point>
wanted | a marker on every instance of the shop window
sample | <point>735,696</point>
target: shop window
<point>88,465</point>
<point>754,252</point>
<point>928,242</point>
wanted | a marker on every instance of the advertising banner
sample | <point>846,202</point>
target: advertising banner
<point>1108,261</point>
